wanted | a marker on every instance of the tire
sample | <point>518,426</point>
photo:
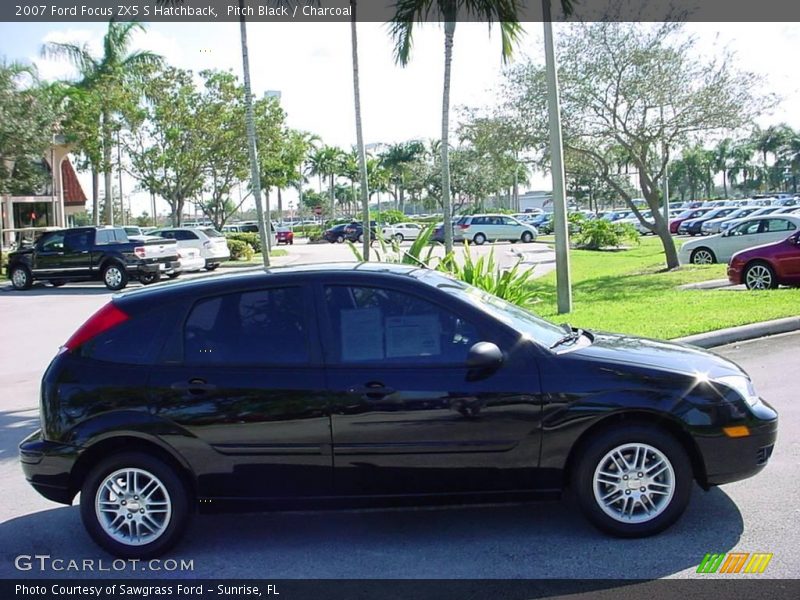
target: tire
<point>173,275</point>
<point>527,237</point>
<point>291,242</point>
<point>115,277</point>
<point>165,506</point>
<point>703,256</point>
<point>212,266</point>
<point>57,282</point>
<point>479,239</point>
<point>599,490</point>
<point>759,276</point>
<point>21,277</point>
<point>340,239</point>
<point>151,277</point>
<point>399,238</point>
<point>360,238</point>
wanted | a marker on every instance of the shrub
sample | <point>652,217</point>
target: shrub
<point>595,234</point>
<point>239,249</point>
<point>509,284</point>
<point>251,239</point>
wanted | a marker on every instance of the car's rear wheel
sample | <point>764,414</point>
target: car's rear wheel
<point>115,277</point>
<point>149,277</point>
<point>399,237</point>
<point>134,505</point>
<point>21,278</point>
<point>340,239</point>
<point>173,275</point>
<point>759,276</point>
<point>633,481</point>
<point>703,256</point>
<point>57,282</point>
<point>479,239</point>
<point>212,266</point>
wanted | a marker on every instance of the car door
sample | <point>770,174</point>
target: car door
<point>408,415</point>
<point>49,255</point>
<point>512,228</point>
<point>242,376</point>
<point>788,260</point>
<point>776,229</point>
<point>741,236</point>
<point>77,260</point>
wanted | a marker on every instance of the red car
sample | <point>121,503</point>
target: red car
<point>692,213</point>
<point>767,266</point>
<point>284,235</point>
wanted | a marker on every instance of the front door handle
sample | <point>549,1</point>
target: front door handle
<point>373,390</point>
<point>196,387</point>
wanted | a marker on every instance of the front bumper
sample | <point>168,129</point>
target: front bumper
<point>48,466</point>
<point>733,459</point>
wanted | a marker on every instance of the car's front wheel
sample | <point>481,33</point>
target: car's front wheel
<point>633,481</point>
<point>134,505</point>
<point>527,237</point>
<point>21,278</point>
<point>149,277</point>
<point>479,239</point>
<point>759,276</point>
<point>703,256</point>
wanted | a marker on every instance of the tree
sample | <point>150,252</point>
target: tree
<point>325,162</point>
<point>29,114</point>
<point>637,88</point>
<point>111,77</point>
<point>409,12</point>
<point>221,116</point>
<point>723,153</point>
<point>166,143</point>
<point>397,159</point>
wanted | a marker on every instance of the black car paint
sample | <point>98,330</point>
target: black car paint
<point>285,435</point>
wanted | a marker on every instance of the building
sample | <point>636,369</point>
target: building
<point>51,206</point>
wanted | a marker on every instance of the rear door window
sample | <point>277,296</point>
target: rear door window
<point>262,327</point>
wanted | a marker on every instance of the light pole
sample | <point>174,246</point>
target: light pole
<point>563,285</point>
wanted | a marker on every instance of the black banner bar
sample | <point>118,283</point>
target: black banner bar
<point>298,11</point>
<point>731,588</point>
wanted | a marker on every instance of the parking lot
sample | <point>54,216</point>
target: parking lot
<point>517,541</point>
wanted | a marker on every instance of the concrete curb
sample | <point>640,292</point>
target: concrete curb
<point>731,335</point>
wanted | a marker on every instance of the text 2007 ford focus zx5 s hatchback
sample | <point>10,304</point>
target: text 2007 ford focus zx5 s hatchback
<point>362,384</point>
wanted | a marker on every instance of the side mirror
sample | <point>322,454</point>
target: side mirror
<point>483,359</point>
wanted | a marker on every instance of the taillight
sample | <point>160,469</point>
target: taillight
<point>104,319</point>
<point>464,226</point>
<point>139,251</point>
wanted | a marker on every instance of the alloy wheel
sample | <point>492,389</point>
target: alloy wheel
<point>703,257</point>
<point>133,506</point>
<point>758,277</point>
<point>634,483</point>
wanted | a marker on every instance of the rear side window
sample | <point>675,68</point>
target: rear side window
<point>248,328</point>
<point>185,234</point>
<point>134,342</point>
<point>778,225</point>
<point>210,232</point>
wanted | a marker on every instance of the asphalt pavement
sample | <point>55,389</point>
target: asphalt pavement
<point>547,539</point>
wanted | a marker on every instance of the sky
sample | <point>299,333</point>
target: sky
<point>310,64</point>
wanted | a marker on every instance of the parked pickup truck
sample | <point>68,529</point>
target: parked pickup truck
<point>92,253</point>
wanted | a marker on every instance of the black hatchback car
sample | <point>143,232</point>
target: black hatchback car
<point>360,384</point>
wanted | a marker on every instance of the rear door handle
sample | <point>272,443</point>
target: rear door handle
<point>197,387</point>
<point>372,390</point>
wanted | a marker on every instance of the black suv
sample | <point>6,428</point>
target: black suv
<point>340,384</point>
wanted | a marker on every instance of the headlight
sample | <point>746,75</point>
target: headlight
<point>742,385</point>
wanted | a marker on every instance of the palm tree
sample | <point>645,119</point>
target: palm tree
<point>409,12</point>
<point>109,76</point>
<point>397,159</point>
<point>362,158</point>
<point>723,153</point>
<point>326,162</point>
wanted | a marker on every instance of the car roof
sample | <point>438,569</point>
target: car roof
<point>253,278</point>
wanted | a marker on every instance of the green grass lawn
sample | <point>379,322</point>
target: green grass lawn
<point>628,292</point>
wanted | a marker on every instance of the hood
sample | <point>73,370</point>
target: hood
<point>657,354</point>
<point>27,250</point>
